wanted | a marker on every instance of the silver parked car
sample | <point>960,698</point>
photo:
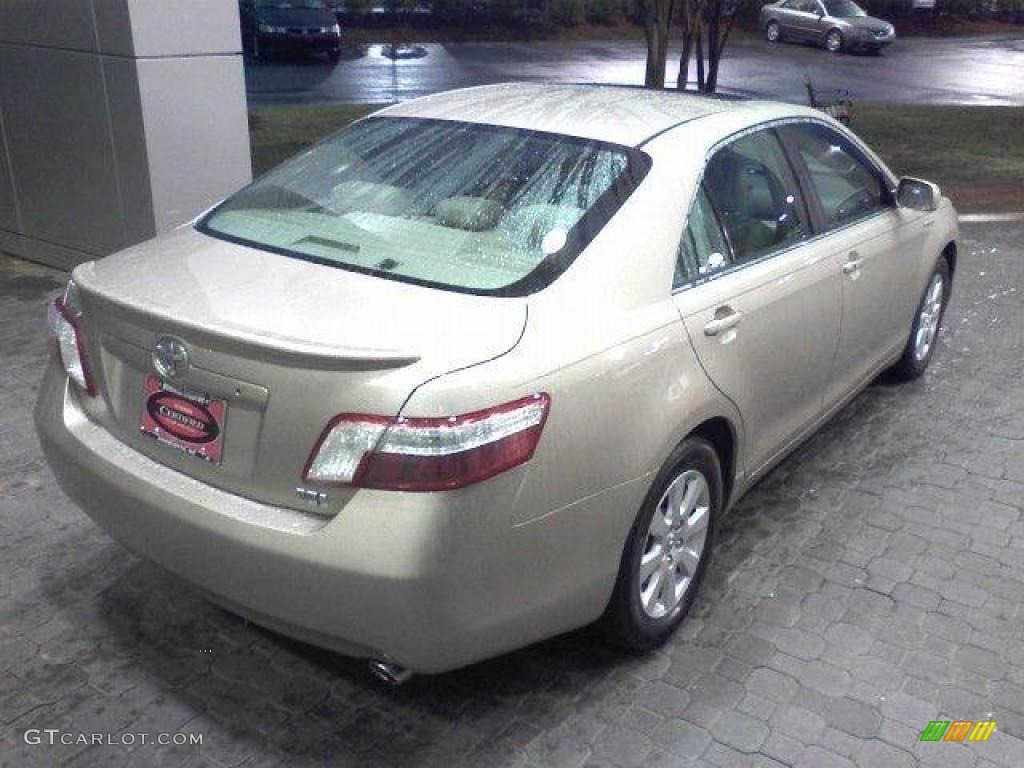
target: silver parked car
<point>836,24</point>
<point>489,365</point>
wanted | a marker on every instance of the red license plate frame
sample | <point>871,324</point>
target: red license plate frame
<point>190,421</point>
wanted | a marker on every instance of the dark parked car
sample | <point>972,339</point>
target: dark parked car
<point>298,25</point>
<point>836,24</point>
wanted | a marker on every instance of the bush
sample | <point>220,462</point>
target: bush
<point>356,7</point>
<point>958,8</point>
<point>534,19</point>
<point>604,11</point>
<point>451,10</point>
<point>568,13</point>
<point>902,8</point>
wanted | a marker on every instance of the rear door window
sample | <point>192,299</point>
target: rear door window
<point>703,249</point>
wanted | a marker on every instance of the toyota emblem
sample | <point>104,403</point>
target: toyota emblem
<point>170,357</point>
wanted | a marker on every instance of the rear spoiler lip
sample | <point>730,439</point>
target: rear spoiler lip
<point>285,350</point>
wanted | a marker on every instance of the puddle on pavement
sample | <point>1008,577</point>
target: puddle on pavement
<point>402,51</point>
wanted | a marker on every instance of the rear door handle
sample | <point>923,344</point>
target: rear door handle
<point>726,318</point>
<point>853,264</point>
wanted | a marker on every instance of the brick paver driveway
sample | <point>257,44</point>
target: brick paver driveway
<point>872,583</point>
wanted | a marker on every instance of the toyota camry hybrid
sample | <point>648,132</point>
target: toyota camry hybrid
<point>490,365</point>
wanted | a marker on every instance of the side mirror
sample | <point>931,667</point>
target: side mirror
<point>917,194</point>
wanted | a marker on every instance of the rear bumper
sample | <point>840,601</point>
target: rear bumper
<point>385,578</point>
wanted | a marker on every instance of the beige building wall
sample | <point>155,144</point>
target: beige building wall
<point>119,119</point>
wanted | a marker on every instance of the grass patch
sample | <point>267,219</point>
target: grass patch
<point>976,154</point>
<point>277,133</point>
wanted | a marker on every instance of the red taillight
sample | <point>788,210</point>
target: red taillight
<point>69,336</point>
<point>427,454</point>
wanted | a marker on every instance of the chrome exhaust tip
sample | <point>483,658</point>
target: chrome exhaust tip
<point>389,673</point>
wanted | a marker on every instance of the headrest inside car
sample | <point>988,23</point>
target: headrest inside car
<point>471,213</point>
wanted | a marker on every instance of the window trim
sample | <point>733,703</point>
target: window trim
<point>817,234</point>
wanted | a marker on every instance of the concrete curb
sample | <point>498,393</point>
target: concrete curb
<point>990,218</point>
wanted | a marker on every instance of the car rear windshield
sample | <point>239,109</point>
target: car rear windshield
<point>462,206</point>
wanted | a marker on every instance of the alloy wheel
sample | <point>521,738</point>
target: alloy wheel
<point>773,32</point>
<point>675,543</point>
<point>834,41</point>
<point>928,319</point>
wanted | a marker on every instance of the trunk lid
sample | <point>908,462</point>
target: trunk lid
<point>284,343</point>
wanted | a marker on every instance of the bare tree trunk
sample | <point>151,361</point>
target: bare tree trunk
<point>713,25</point>
<point>691,30</point>
<point>657,19</point>
<point>651,37</point>
<point>700,58</point>
<point>720,49</point>
<point>662,48</point>
<point>719,24</point>
<point>684,59</point>
<point>712,82</point>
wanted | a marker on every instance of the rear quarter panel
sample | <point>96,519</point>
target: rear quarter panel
<point>546,539</point>
<point>606,342</point>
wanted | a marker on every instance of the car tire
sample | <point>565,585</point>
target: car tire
<point>834,41</point>
<point>773,32</point>
<point>643,612</point>
<point>334,55</point>
<point>924,331</point>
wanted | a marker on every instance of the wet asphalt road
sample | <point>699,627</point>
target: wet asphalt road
<point>915,71</point>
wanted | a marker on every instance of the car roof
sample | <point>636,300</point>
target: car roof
<point>617,114</point>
